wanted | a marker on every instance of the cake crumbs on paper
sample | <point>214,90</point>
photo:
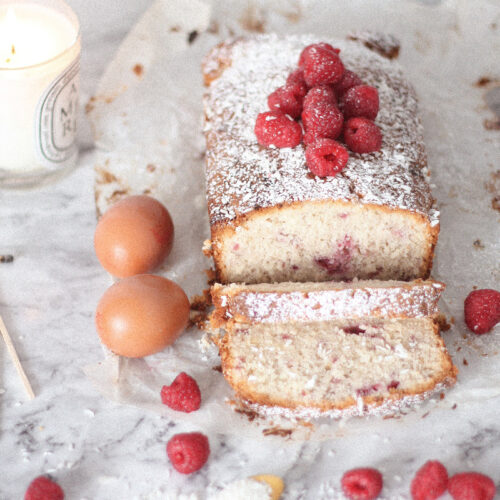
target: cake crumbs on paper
<point>485,81</point>
<point>443,323</point>
<point>138,69</point>
<point>199,309</point>
<point>277,431</point>
<point>491,124</point>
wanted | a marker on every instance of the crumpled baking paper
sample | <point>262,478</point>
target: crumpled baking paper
<point>146,118</point>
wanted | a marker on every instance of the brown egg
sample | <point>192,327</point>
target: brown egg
<point>134,236</point>
<point>141,315</point>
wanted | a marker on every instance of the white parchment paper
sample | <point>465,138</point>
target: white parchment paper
<point>147,123</point>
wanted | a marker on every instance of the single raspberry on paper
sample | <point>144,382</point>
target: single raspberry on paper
<point>44,488</point>
<point>482,310</point>
<point>471,486</point>
<point>430,481</point>
<point>183,394</point>
<point>362,484</point>
<point>188,452</point>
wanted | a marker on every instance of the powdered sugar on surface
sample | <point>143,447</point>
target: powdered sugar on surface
<point>243,176</point>
<point>411,301</point>
<point>244,489</point>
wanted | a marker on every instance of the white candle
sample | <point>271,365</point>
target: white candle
<point>39,70</point>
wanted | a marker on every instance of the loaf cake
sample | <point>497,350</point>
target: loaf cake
<point>331,349</point>
<point>272,220</point>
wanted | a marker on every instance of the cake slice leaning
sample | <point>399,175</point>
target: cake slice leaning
<point>353,349</point>
<point>271,219</point>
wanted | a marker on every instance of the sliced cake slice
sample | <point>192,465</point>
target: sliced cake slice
<point>282,302</point>
<point>368,353</point>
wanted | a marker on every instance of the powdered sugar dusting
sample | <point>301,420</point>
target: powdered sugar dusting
<point>243,176</point>
<point>281,303</point>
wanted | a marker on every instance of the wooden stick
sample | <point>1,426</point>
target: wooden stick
<point>15,359</point>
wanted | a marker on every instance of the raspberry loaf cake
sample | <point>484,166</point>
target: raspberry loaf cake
<point>331,349</point>
<point>271,219</point>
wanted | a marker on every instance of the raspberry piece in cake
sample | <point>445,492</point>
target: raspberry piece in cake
<point>322,119</point>
<point>183,394</point>
<point>321,65</point>
<point>274,128</point>
<point>471,486</point>
<point>361,100</point>
<point>338,263</point>
<point>326,157</point>
<point>430,481</point>
<point>188,452</point>
<point>43,488</point>
<point>350,79</point>
<point>362,135</point>
<point>288,99</point>
<point>314,46</point>
<point>482,310</point>
<point>362,484</point>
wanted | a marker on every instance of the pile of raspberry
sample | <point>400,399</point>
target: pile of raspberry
<point>332,102</point>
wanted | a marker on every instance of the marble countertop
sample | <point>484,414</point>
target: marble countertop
<point>93,447</point>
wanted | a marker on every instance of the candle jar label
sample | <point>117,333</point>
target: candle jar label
<point>56,119</point>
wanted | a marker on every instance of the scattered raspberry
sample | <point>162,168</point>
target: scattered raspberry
<point>320,94</point>
<point>274,128</point>
<point>321,65</point>
<point>362,135</point>
<point>183,394</point>
<point>482,310</point>
<point>321,45</point>
<point>350,79</point>
<point>43,488</point>
<point>326,157</point>
<point>321,118</point>
<point>361,100</point>
<point>288,99</point>
<point>471,486</point>
<point>188,452</point>
<point>430,481</point>
<point>362,484</point>
<point>296,76</point>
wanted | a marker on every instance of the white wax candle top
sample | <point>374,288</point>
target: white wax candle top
<point>31,34</point>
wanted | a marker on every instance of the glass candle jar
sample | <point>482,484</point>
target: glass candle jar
<point>39,81</point>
